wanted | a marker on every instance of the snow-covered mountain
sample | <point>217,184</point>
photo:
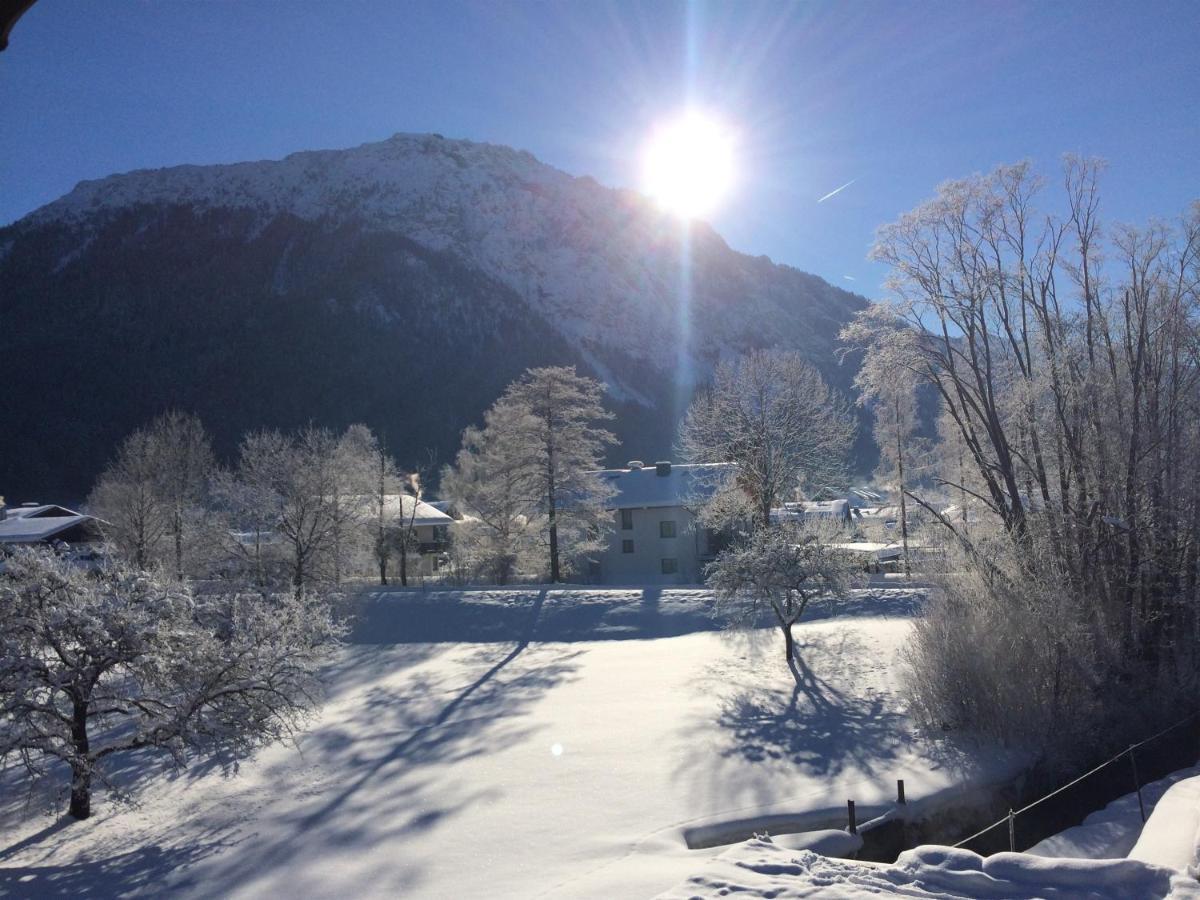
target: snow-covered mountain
<point>402,283</point>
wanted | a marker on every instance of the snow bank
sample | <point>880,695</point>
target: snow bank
<point>762,868</point>
<point>828,842</point>
<point>1110,833</point>
<point>1170,835</point>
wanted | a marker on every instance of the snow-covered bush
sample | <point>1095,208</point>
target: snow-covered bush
<point>1003,656</point>
<point>93,664</point>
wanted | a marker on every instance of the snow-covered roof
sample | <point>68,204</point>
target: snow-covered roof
<point>811,509</point>
<point>877,512</point>
<point>865,496</point>
<point>679,485</point>
<point>873,548</point>
<point>426,514</point>
<point>33,524</point>
<point>830,508</point>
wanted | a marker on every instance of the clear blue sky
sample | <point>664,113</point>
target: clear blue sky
<point>898,96</point>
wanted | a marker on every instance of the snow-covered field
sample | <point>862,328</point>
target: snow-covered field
<point>466,752</point>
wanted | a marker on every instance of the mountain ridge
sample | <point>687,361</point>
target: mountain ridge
<point>471,252</point>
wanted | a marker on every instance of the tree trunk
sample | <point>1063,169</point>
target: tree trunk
<point>404,562</point>
<point>903,503</point>
<point>81,773</point>
<point>178,528</point>
<point>298,575</point>
<point>383,570</point>
<point>139,547</point>
<point>789,649</point>
<point>552,494</point>
<point>81,793</point>
<point>555,575</point>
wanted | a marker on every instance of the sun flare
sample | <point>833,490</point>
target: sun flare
<point>688,165</point>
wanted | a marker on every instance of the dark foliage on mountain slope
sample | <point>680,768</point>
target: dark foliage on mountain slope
<point>254,315</point>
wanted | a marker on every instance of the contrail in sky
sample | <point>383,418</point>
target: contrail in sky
<point>837,190</point>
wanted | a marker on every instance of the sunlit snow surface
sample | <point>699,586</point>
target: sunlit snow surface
<point>431,771</point>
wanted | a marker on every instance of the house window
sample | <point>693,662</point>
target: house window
<point>626,519</point>
<point>670,566</point>
<point>666,529</point>
<point>626,546</point>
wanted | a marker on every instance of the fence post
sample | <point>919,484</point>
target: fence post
<point>1012,832</point>
<point>1137,784</point>
<point>900,791</point>
<point>853,820</point>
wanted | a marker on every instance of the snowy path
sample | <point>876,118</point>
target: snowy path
<point>548,768</point>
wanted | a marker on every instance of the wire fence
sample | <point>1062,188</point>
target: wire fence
<point>1158,761</point>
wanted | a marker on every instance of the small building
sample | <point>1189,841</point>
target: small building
<point>431,529</point>
<point>836,512</point>
<point>883,516</point>
<point>654,537</point>
<point>50,524</point>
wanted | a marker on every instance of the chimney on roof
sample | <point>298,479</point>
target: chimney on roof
<point>662,468</point>
<point>634,465</point>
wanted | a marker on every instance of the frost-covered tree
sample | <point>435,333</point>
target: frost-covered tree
<point>127,499</point>
<point>154,496</point>
<point>187,464</point>
<point>97,664</point>
<point>780,570</point>
<point>887,384</point>
<point>386,481</point>
<point>556,431</point>
<point>353,483</point>
<point>410,491</point>
<point>1064,358</point>
<point>251,498</point>
<point>497,537</point>
<point>535,462</point>
<point>290,488</point>
<point>772,414</point>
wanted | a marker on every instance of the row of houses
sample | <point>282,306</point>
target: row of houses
<point>654,539</point>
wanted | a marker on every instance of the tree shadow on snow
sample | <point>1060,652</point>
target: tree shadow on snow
<point>818,727</point>
<point>841,717</point>
<point>389,763</point>
<point>373,772</point>
<point>565,615</point>
<point>148,869</point>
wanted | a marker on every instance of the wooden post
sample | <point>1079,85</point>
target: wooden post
<point>1012,832</point>
<point>1137,784</point>
<point>900,791</point>
<point>853,820</point>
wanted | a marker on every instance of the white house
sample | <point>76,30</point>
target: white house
<point>430,526</point>
<point>654,538</point>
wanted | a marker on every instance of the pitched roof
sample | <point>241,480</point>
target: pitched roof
<point>32,524</point>
<point>426,514</point>
<point>682,485</point>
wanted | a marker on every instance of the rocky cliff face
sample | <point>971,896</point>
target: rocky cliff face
<point>402,283</point>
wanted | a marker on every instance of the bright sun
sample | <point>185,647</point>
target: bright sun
<point>688,165</point>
